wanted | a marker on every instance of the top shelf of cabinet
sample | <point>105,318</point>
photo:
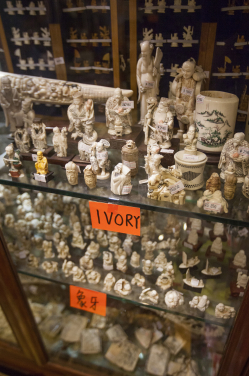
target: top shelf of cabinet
<point>237,214</point>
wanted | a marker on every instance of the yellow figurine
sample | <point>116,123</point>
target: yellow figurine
<point>42,164</point>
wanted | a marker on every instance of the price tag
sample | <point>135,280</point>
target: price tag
<point>243,150</point>
<point>127,104</point>
<point>162,127</point>
<point>59,60</point>
<point>190,157</point>
<point>149,84</point>
<point>241,294</point>
<point>126,189</point>
<point>40,178</point>
<point>187,245</point>
<point>131,164</point>
<point>243,232</point>
<point>169,151</point>
<point>239,270</point>
<point>200,98</point>
<point>177,187</point>
<point>88,300</point>
<point>85,147</point>
<point>23,255</point>
<point>187,91</point>
<point>117,218</point>
<point>212,206</point>
<point>102,155</point>
<point>143,181</point>
<point>34,157</point>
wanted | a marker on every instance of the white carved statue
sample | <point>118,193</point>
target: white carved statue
<point>118,119</point>
<point>121,180</point>
<point>60,141</point>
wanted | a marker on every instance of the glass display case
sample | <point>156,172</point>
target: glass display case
<point>123,252</point>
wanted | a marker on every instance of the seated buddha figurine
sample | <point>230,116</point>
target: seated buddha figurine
<point>42,164</point>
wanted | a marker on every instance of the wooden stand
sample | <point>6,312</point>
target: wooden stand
<point>190,288</point>
<point>47,152</point>
<point>79,162</point>
<point>213,237</point>
<point>168,158</point>
<point>235,267</point>
<point>118,142</point>
<point>46,178</point>
<point>219,257</point>
<point>61,161</point>
<point>236,291</point>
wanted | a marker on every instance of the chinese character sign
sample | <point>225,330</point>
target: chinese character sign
<point>88,300</point>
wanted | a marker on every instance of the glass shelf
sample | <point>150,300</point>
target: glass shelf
<point>137,198</point>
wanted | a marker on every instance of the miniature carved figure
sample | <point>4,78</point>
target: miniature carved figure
<point>188,263</point>
<point>215,198</point>
<point>240,259</point>
<point>67,267</point>
<point>109,282</point>
<point>147,267</point>
<point>188,35</point>
<point>50,266</point>
<point>138,280</point>
<point>90,177</point>
<point>200,302</point>
<point>79,112</point>
<point>148,75</point>
<point>245,187</point>
<point>88,138</point>
<point>13,161</point>
<point>10,102</point>
<point>127,245</point>
<point>114,243</point>
<point>213,183</point>
<point>224,312</point>
<point>174,299</point>
<point>193,237</point>
<point>77,241</point>
<point>235,152</point>
<point>242,280</point>
<point>121,180</point>
<point>60,141</point>
<point>78,274</point>
<point>63,250</point>
<point>211,271</point>
<point>89,232</point>
<point>192,281</point>
<point>122,264</point>
<point>107,260</point>
<point>190,140</point>
<point>93,277</point>
<point>42,164</point>
<point>118,119</point>
<point>150,247</point>
<point>122,287</point>
<point>32,261</point>
<point>86,263</point>
<point>102,238</point>
<point>38,135</point>
<point>135,260</point>
<point>230,183</point>
<point>160,261</point>
<point>216,246</point>
<point>172,244</point>
<point>164,281</point>
<point>159,123</point>
<point>99,159</point>
<point>22,140</point>
<point>47,249</point>
<point>186,86</point>
<point>148,294</point>
<point>93,250</point>
<point>25,117</point>
<point>130,156</point>
<point>72,172</point>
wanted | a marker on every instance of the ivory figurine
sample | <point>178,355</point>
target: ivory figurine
<point>188,263</point>
<point>127,245</point>
<point>193,237</point>
<point>230,182</point>
<point>174,299</point>
<point>78,274</point>
<point>22,140</point>
<point>60,141</point>
<point>86,263</point>
<point>122,264</point>
<point>224,312</point>
<point>42,164</point>
<point>135,260</point>
<point>138,280</point>
<point>215,198</point>
<point>93,277</point>
<point>93,250</point>
<point>160,261</point>
<point>200,302</point>
<point>190,140</point>
<point>67,267</point>
<point>242,280</point>
<point>216,246</point>
<point>102,238</point>
<point>148,294</point>
<point>213,183</point>
<point>72,172</point>
<point>99,159</point>
<point>77,241</point>
<point>240,259</point>
<point>245,187</point>
<point>130,156</point>
<point>79,112</point>
<point>47,249</point>
<point>32,261</point>
<point>88,138</point>
<point>164,281</point>
<point>107,260</point>
<point>114,243</point>
<point>172,244</point>
<point>122,287</point>
<point>109,282</point>
<point>147,267</point>
<point>63,250</point>
<point>121,180</point>
<point>211,271</point>
<point>192,281</point>
<point>150,248</point>
<point>230,155</point>
<point>90,177</point>
<point>38,135</point>
<point>118,119</point>
<point>13,161</point>
<point>148,75</point>
<point>50,266</point>
<point>89,232</point>
<point>10,102</point>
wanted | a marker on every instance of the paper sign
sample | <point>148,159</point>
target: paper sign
<point>88,300</point>
<point>187,245</point>
<point>242,150</point>
<point>190,157</point>
<point>34,157</point>
<point>59,60</point>
<point>131,164</point>
<point>127,104</point>
<point>243,232</point>
<point>177,187</point>
<point>241,294</point>
<point>162,127</point>
<point>169,151</point>
<point>126,189</point>
<point>187,91</point>
<point>40,178</point>
<point>200,98</point>
<point>117,218</point>
<point>149,84</point>
<point>212,206</point>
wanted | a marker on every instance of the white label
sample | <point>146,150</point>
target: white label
<point>131,165</point>
<point>102,155</point>
<point>187,91</point>
<point>23,254</point>
<point>143,181</point>
<point>188,245</point>
<point>85,147</point>
<point>160,269</point>
<point>177,187</point>
<point>40,178</point>
<point>241,294</point>
<point>162,127</point>
<point>189,157</point>
<point>212,206</point>
<point>200,98</point>
<point>34,157</point>
<point>59,60</point>
<point>169,151</point>
<point>243,150</point>
<point>126,189</point>
<point>243,232</point>
<point>127,104</point>
<point>149,84</point>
